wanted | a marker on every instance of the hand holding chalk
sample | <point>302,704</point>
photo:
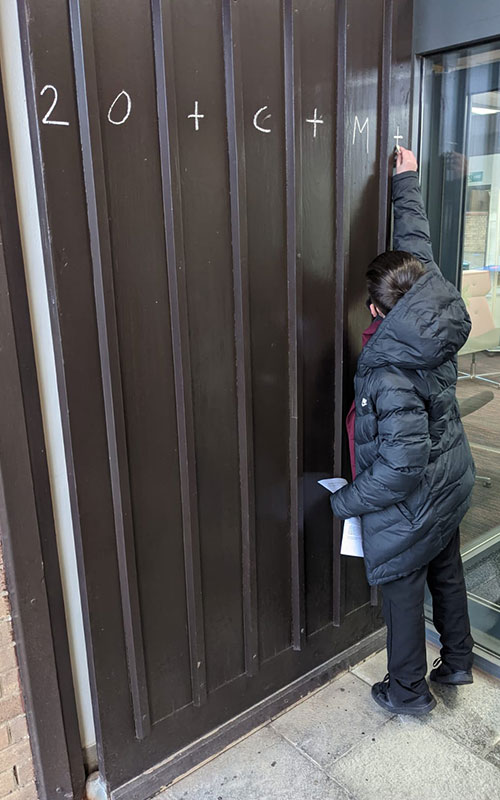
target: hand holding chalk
<point>405,161</point>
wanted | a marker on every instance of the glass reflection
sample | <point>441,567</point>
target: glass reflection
<point>461,156</point>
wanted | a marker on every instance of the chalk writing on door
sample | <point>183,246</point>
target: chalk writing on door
<point>397,138</point>
<point>196,116</point>
<point>256,120</point>
<point>359,129</point>
<point>127,111</point>
<point>315,121</point>
<point>46,120</point>
<point>259,118</point>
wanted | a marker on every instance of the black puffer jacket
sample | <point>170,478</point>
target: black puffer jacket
<point>415,471</point>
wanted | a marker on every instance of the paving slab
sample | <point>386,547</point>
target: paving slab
<point>410,760</point>
<point>332,720</point>
<point>469,714</point>
<point>261,767</point>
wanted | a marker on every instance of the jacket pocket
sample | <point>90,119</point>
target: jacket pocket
<point>405,512</point>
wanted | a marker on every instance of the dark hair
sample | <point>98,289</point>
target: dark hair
<point>390,276</point>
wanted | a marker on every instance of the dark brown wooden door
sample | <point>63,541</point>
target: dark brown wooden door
<point>212,179</point>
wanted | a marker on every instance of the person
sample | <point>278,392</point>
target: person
<point>414,471</point>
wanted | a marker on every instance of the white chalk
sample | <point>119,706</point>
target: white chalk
<point>315,121</point>
<point>256,117</point>
<point>360,128</point>
<point>127,112</point>
<point>196,116</point>
<point>46,120</point>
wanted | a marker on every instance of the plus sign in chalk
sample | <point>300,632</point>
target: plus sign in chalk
<point>196,116</point>
<point>397,138</point>
<point>315,121</point>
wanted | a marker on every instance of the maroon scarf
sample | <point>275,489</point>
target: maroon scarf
<point>351,417</point>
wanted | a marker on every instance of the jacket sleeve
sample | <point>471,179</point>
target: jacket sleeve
<point>411,226</point>
<point>404,449</point>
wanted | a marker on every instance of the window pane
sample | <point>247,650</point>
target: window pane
<point>461,181</point>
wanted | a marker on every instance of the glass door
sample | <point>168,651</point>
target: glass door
<point>461,182</point>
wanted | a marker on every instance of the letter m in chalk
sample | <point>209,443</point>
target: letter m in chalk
<point>360,128</point>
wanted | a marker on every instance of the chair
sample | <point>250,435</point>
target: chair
<point>467,406</point>
<point>484,334</point>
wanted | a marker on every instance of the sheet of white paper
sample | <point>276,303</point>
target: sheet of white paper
<point>352,542</point>
<point>333,484</point>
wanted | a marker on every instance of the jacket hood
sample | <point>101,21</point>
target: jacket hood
<point>427,327</point>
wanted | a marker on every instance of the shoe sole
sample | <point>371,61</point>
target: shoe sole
<point>415,712</point>
<point>451,681</point>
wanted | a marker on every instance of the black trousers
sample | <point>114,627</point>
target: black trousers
<point>403,608</point>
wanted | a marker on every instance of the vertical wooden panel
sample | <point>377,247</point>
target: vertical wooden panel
<point>363,87</point>
<point>143,323</point>
<point>401,104</point>
<point>196,77</point>
<point>341,250</point>
<point>127,108</point>
<point>294,324</point>
<point>262,90</point>
<point>97,215</point>
<point>237,190</point>
<point>315,46</point>
<point>182,367</point>
<point>384,143</point>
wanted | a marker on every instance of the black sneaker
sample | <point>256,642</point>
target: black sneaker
<point>417,707</point>
<point>442,673</point>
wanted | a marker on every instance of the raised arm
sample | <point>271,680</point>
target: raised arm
<point>411,226</point>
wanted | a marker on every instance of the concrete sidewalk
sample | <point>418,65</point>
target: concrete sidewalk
<point>338,744</point>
